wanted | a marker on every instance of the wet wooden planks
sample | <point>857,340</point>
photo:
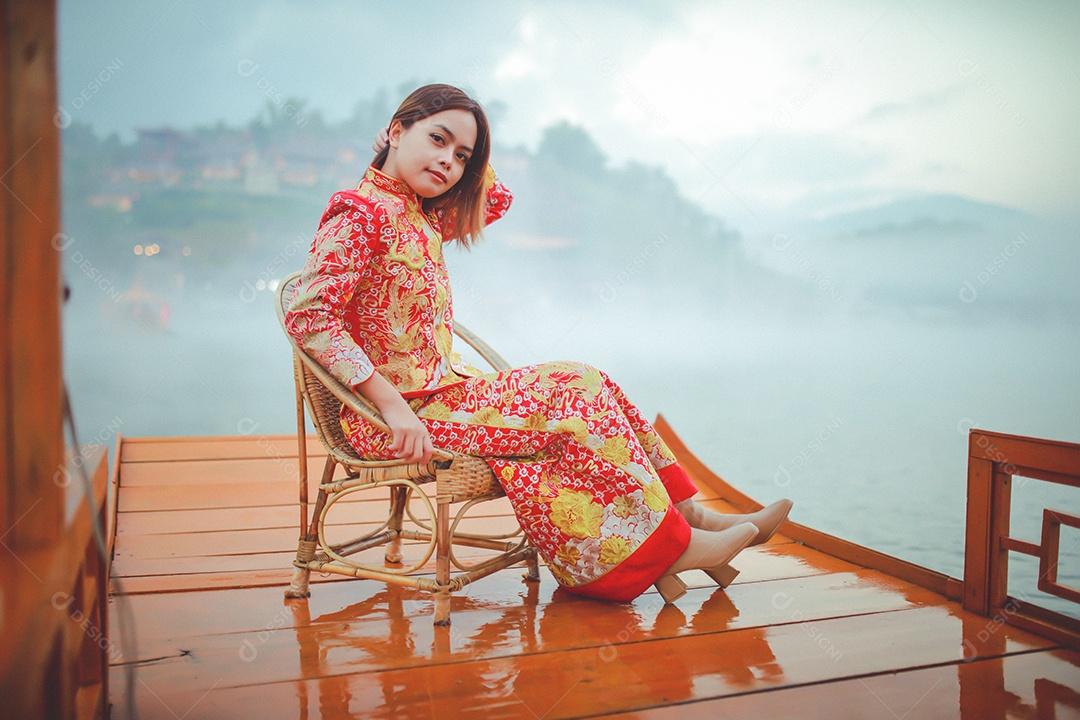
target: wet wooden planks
<point>798,630</point>
<point>1028,685</point>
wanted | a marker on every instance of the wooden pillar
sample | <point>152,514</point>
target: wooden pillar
<point>32,445</point>
<point>55,608</point>
<point>997,593</point>
<point>979,534</point>
<point>989,502</point>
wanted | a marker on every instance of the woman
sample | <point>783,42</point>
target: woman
<point>594,487</point>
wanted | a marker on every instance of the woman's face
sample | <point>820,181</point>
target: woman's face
<point>430,155</point>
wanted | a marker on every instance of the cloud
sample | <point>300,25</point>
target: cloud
<point>777,169</point>
<point>932,100</point>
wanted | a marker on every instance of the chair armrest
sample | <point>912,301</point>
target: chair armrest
<point>357,403</point>
<point>492,358</point>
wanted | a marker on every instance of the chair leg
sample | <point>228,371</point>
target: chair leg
<point>442,607</point>
<point>398,497</point>
<point>533,575</point>
<point>442,563</point>
<point>300,586</point>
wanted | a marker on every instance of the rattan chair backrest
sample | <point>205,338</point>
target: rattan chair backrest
<point>323,393</point>
<point>325,411</point>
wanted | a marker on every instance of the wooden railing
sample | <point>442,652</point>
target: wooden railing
<point>993,460</point>
<point>54,658</point>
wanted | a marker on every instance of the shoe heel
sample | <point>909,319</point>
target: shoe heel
<point>671,588</point>
<point>723,575</point>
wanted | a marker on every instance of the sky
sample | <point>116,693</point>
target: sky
<point>759,110</point>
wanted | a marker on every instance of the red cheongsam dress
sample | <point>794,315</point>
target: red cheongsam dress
<point>591,482</point>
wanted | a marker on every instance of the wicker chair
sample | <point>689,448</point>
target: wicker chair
<point>457,479</point>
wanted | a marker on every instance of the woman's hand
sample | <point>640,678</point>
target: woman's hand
<point>381,139</point>
<point>411,441</point>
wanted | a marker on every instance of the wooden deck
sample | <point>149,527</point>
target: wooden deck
<point>206,531</point>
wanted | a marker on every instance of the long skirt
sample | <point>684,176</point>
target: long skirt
<point>591,482</point>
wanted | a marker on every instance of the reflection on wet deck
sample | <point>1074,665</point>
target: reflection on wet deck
<point>206,531</point>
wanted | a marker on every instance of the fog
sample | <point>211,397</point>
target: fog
<point>828,333</point>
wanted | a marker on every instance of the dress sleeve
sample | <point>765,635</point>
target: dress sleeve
<point>342,248</point>
<point>499,197</point>
<point>498,202</point>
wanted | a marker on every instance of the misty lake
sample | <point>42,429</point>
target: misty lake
<point>862,420</point>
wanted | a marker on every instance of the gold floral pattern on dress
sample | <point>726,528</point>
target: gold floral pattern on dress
<point>649,440</point>
<point>624,506</point>
<point>488,416</point>
<point>437,411</point>
<point>562,576</point>
<point>614,550</point>
<point>537,422</point>
<point>659,453</point>
<point>577,514</point>
<point>614,450</point>
<point>574,426</point>
<point>656,496</point>
<point>568,556</point>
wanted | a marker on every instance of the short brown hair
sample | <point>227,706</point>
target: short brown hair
<point>464,203</point>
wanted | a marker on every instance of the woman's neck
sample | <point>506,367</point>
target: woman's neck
<point>389,166</point>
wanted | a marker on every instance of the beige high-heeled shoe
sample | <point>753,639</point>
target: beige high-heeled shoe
<point>671,587</point>
<point>768,519</point>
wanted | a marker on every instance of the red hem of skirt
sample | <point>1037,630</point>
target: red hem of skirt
<point>645,565</point>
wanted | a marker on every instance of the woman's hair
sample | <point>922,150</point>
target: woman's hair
<point>463,204</point>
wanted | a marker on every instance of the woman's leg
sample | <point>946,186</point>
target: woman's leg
<point>681,488</point>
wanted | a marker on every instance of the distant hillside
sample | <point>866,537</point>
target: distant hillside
<point>918,214</point>
<point>943,254</point>
<point>225,207</point>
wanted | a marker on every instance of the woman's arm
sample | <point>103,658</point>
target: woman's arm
<point>341,251</point>
<point>411,439</point>
<point>331,273</point>
<point>496,203</point>
<point>499,197</point>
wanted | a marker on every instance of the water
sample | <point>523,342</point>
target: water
<point>861,418</point>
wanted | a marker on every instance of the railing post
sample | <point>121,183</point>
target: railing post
<point>1000,507</point>
<point>986,560</point>
<point>978,536</point>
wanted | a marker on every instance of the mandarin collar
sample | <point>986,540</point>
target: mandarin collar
<point>391,184</point>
